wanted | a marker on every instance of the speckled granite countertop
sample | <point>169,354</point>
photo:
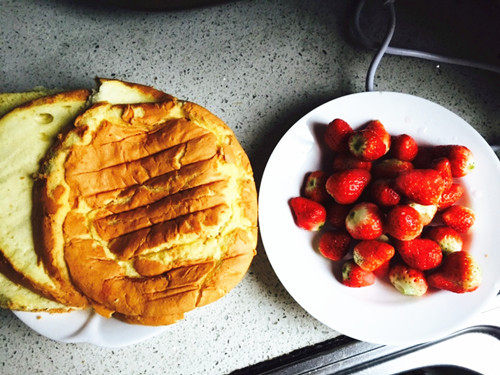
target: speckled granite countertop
<point>260,66</point>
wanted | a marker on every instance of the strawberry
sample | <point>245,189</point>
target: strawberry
<point>346,186</point>
<point>391,168</point>
<point>383,270</point>
<point>309,215</point>
<point>383,193</point>
<point>404,147</point>
<point>356,277</point>
<point>364,222</point>
<point>421,254</point>
<point>423,186</point>
<point>450,196</point>
<point>459,218</point>
<point>404,223</point>
<point>370,255</point>
<point>377,127</point>
<point>426,212</point>
<point>408,281</point>
<point>334,245</point>
<point>336,135</point>
<point>314,187</point>
<point>447,238</point>
<point>459,274</point>
<point>366,145</point>
<point>336,214</point>
<point>443,166</point>
<point>460,157</point>
<point>342,162</point>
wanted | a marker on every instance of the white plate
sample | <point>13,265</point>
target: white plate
<point>87,326</point>
<point>377,314</point>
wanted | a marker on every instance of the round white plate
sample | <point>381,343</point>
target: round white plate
<point>377,314</point>
<point>87,326</point>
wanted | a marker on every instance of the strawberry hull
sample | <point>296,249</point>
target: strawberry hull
<point>366,145</point>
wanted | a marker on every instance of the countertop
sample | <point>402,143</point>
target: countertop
<point>260,66</point>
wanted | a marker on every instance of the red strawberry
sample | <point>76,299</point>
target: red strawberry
<point>377,127</point>
<point>370,255</point>
<point>408,281</point>
<point>308,214</point>
<point>443,166</point>
<point>336,135</point>
<point>422,254</point>
<point>355,277</point>
<point>342,162</point>
<point>404,147</point>
<point>383,270</point>
<point>459,218</point>
<point>336,214</point>
<point>334,245</point>
<point>426,212</point>
<point>450,196</point>
<point>383,193</point>
<point>366,145</point>
<point>460,157</point>
<point>447,238</point>
<point>391,168</point>
<point>314,187</point>
<point>346,186</point>
<point>404,223</point>
<point>423,186</point>
<point>364,222</point>
<point>459,274</point>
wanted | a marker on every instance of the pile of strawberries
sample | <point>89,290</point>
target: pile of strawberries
<point>393,204</point>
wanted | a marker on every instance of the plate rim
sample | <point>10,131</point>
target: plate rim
<point>85,332</point>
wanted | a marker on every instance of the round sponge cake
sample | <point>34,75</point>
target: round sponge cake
<point>150,207</point>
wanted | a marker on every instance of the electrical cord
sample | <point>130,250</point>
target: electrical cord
<point>383,48</point>
<point>386,48</point>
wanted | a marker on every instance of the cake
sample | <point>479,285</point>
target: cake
<point>144,207</point>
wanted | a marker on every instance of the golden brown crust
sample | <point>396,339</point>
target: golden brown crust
<point>76,95</point>
<point>153,208</point>
<point>65,292</point>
